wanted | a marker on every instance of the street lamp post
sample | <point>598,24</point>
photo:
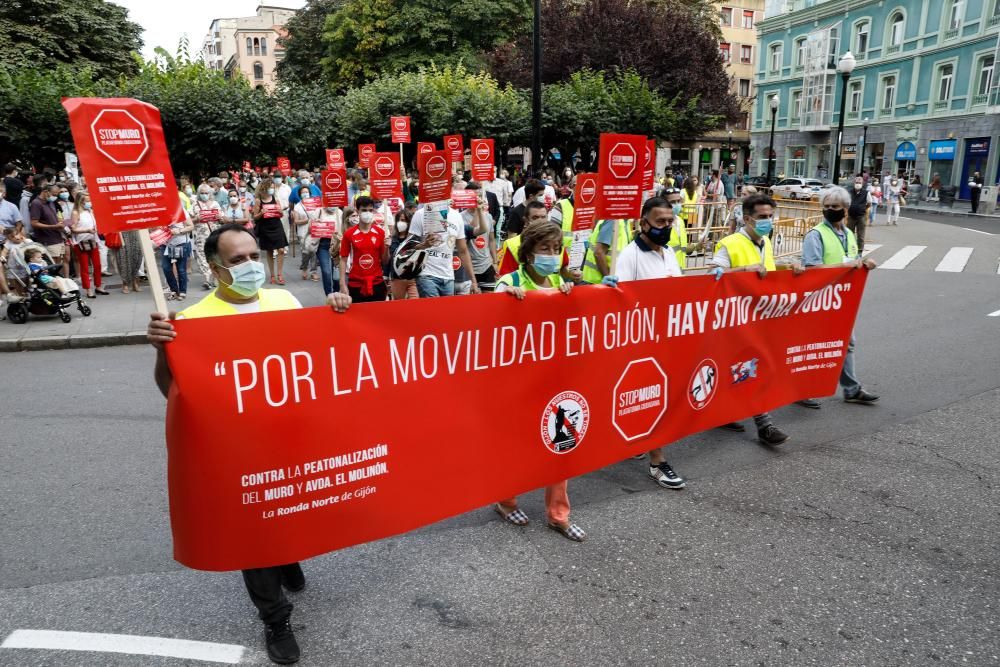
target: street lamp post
<point>775,102</point>
<point>845,67</point>
<point>536,88</point>
<point>864,146</point>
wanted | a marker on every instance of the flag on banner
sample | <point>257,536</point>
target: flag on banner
<point>365,152</point>
<point>482,159</point>
<point>649,166</point>
<point>598,379</point>
<point>123,154</point>
<point>400,129</point>
<point>335,158</point>
<point>454,144</point>
<point>383,176</point>
<point>333,185</point>
<point>620,169</point>
<point>435,175</point>
<point>284,165</point>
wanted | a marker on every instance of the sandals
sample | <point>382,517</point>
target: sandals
<point>571,532</point>
<point>517,517</point>
<point>281,279</point>
<point>102,292</point>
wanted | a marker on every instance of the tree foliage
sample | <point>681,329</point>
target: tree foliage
<point>303,41</point>
<point>82,33</point>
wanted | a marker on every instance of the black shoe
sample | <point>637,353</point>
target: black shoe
<point>809,403</point>
<point>293,578</point>
<point>734,426</point>
<point>771,435</point>
<point>666,477</point>
<point>281,645</point>
<point>862,397</point>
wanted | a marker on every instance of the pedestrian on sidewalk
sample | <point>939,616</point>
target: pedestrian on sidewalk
<point>235,262</point>
<point>857,214</point>
<point>84,230</point>
<point>934,189</point>
<point>893,196</point>
<point>975,190</point>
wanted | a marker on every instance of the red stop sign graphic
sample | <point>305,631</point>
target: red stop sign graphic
<point>588,191</point>
<point>399,124</point>
<point>479,242</point>
<point>483,151</point>
<point>426,148</point>
<point>640,398</point>
<point>366,261</point>
<point>436,166</point>
<point>451,142</point>
<point>367,150</point>
<point>119,136</point>
<point>384,166</point>
<point>621,160</point>
<point>334,181</point>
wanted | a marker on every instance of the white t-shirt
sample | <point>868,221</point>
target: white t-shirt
<point>634,263</point>
<point>518,198</point>
<point>438,263</point>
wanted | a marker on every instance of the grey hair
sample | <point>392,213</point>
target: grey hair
<point>215,180</point>
<point>835,195</point>
<point>204,188</point>
<point>304,174</point>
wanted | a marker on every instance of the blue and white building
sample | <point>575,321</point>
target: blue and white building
<point>924,81</point>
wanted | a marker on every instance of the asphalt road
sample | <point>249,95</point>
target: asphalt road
<point>869,538</point>
<point>989,225</point>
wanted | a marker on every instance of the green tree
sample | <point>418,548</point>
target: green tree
<point>81,33</point>
<point>303,41</point>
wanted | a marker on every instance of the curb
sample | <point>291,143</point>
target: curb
<point>949,211</point>
<point>75,341</point>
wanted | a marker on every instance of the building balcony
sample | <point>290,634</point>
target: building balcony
<point>951,33</point>
<point>994,21</point>
<point>799,68</point>
<point>894,48</point>
<point>941,105</point>
<point>978,100</point>
<point>853,115</point>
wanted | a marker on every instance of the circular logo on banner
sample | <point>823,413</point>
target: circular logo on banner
<point>451,142</point>
<point>366,261</point>
<point>483,151</point>
<point>480,241</point>
<point>399,124</point>
<point>367,150</point>
<point>384,166</point>
<point>588,190</point>
<point>621,160</point>
<point>334,181</point>
<point>119,136</point>
<point>456,263</point>
<point>564,422</point>
<point>436,166</point>
<point>703,384</point>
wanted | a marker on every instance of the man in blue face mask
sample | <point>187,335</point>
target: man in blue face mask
<point>233,254</point>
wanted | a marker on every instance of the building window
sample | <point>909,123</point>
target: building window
<point>954,15</point>
<point>263,46</point>
<point>258,71</point>
<point>856,92</point>
<point>994,19</point>
<point>796,106</point>
<point>985,75</point>
<point>861,39</point>
<point>897,26</point>
<point>746,53</point>
<point>946,78</point>
<point>744,87</point>
<point>249,46</point>
<point>256,46</point>
<point>748,19</point>
<point>726,17</point>
<point>800,53</point>
<point>724,50</point>
<point>888,94</point>
<point>776,53</point>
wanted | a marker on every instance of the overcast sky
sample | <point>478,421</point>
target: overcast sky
<point>165,22</point>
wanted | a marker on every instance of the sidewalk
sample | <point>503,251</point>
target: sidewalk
<point>119,319</point>
<point>960,208</point>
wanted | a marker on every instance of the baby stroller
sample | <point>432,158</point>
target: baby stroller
<point>30,295</point>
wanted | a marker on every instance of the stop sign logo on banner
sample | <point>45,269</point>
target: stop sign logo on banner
<point>649,166</point>
<point>246,165</point>
<point>333,184</point>
<point>482,160</point>
<point>383,177</point>
<point>455,146</point>
<point>284,165</point>
<point>335,158</point>
<point>400,129</point>
<point>435,175</point>
<point>365,152</point>
<point>620,190</point>
<point>425,147</point>
<point>584,215</point>
<point>640,398</point>
<point>122,151</point>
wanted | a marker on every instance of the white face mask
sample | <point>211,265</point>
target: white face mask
<point>857,186</point>
<point>234,200</point>
<point>401,226</point>
<point>270,191</point>
<point>367,217</point>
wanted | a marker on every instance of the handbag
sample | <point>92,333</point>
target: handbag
<point>113,240</point>
<point>902,200</point>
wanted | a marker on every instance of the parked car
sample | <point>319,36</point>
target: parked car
<point>797,188</point>
<point>757,181</point>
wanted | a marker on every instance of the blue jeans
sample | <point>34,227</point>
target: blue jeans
<point>179,284</point>
<point>848,380</point>
<point>326,270</point>
<point>428,286</point>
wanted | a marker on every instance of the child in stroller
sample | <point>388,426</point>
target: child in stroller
<point>46,278</point>
<point>36,288</point>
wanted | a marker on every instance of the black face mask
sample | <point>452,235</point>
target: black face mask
<point>658,235</point>
<point>834,215</point>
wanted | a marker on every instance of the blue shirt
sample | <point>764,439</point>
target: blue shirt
<point>729,185</point>
<point>293,198</point>
<point>10,215</point>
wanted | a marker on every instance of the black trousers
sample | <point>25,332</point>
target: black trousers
<point>975,194</point>
<point>378,293</point>
<point>264,586</point>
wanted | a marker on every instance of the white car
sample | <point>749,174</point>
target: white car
<point>797,188</point>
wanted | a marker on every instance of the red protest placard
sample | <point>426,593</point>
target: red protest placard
<point>383,176</point>
<point>333,184</point>
<point>246,165</point>
<point>435,175</point>
<point>271,210</point>
<point>620,168</point>
<point>649,166</point>
<point>208,214</point>
<point>322,230</point>
<point>365,152</point>
<point>284,165</point>
<point>482,159</point>
<point>461,199</point>
<point>158,235</point>
<point>310,204</point>
<point>585,202</point>
<point>124,156</point>
<point>400,126</point>
<point>335,158</point>
<point>695,357</point>
<point>424,147</point>
<point>455,145</point>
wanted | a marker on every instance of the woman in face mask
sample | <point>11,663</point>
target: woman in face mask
<point>206,214</point>
<point>399,288</point>
<point>235,210</point>
<point>84,228</point>
<point>328,228</point>
<point>892,196</point>
<point>267,212</point>
<point>305,211</point>
<point>541,255</point>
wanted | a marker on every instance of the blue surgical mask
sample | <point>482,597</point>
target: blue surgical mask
<point>546,264</point>
<point>65,195</point>
<point>88,206</point>
<point>248,277</point>
<point>678,207</point>
<point>203,196</point>
<point>763,226</point>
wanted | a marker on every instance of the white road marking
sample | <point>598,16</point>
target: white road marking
<point>955,260</point>
<point>978,231</point>
<point>994,314</point>
<point>870,248</point>
<point>903,258</point>
<point>58,640</point>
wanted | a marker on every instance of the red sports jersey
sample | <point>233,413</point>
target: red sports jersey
<point>365,250</point>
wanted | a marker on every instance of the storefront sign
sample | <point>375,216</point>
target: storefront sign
<point>906,152</point>
<point>943,149</point>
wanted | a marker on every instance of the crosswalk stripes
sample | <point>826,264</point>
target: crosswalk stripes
<point>955,260</point>
<point>903,257</point>
<point>870,248</point>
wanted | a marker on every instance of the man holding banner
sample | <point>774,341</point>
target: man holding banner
<point>232,252</point>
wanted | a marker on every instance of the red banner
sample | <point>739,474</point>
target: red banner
<point>482,160</point>
<point>649,166</point>
<point>435,175</point>
<point>383,176</point>
<point>333,185</point>
<point>246,166</point>
<point>455,145</point>
<point>208,214</point>
<point>322,230</point>
<point>311,204</point>
<point>284,165</point>
<point>462,199</point>
<point>585,202</point>
<point>597,378</point>
<point>123,154</point>
<point>620,194</point>
<point>424,147</point>
<point>160,235</point>
<point>365,152</point>
<point>400,129</point>
<point>335,158</point>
